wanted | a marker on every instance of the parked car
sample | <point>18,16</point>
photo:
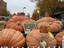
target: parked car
<point>6,18</point>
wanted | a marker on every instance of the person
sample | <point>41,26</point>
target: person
<point>22,13</point>
<point>2,18</point>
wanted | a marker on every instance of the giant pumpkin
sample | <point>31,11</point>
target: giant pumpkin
<point>48,22</point>
<point>46,19</point>
<point>50,41</point>
<point>59,37</point>
<point>17,22</point>
<point>16,26</point>
<point>33,38</point>
<point>43,26</point>
<point>11,38</point>
<point>21,18</point>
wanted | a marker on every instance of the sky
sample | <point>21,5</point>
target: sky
<point>18,5</point>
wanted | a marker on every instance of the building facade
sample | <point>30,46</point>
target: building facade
<point>3,7</point>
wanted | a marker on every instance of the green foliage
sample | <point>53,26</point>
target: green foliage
<point>50,6</point>
<point>5,13</point>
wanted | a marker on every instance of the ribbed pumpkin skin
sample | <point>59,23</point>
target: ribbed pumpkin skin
<point>49,40</point>
<point>15,26</point>
<point>20,18</point>
<point>55,26</point>
<point>12,37</point>
<point>17,22</point>
<point>58,37</point>
<point>46,19</point>
<point>45,22</point>
<point>33,38</point>
<point>43,27</point>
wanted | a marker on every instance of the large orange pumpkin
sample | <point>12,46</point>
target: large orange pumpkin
<point>53,24</point>
<point>33,38</point>
<point>51,42</point>
<point>20,18</point>
<point>46,19</point>
<point>11,38</point>
<point>59,37</point>
<point>56,26</point>
<point>17,22</point>
<point>16,26</point>
<point>43,26</point>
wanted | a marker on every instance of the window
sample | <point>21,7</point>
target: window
<point>61,0</point>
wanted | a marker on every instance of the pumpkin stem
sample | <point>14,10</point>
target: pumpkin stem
<point>18,23</point>
<point>49,32</point>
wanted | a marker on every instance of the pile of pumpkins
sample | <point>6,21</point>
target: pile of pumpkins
<point>47,26</point>
<point>12,34</point>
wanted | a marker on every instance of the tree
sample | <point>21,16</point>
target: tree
<point>51,6</point>
<point>46,5</point>
<point>35,15</point>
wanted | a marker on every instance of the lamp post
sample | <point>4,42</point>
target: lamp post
<point>24,8</point>
<point>38,12</point>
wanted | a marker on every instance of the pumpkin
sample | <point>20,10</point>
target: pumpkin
<point>16,18</point>
<point>43,27</point>
<point>46,19</point>
<point>53,24</point>
<point>33,38</point>
<point>59,37</point>
<point>50,42</point>
<point>12,37</point>
<point>17,22</point>
<point>56,26</point>
<point>16,26</point>
<point>20,18</point>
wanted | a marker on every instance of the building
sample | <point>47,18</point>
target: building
<point>3,7</point>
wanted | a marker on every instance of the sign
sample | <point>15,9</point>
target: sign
<point>29,26</point>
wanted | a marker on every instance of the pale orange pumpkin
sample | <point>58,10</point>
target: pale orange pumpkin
<point>12,37</point>
<point>33,38</point>
<point>53,24</point>
<point>43,26</point>
<point>46,19</point>
<point>16,26</point>
<point>20,18</point>
<point>59,37</point>
<point>17,22</point>
<point>51,42</point>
